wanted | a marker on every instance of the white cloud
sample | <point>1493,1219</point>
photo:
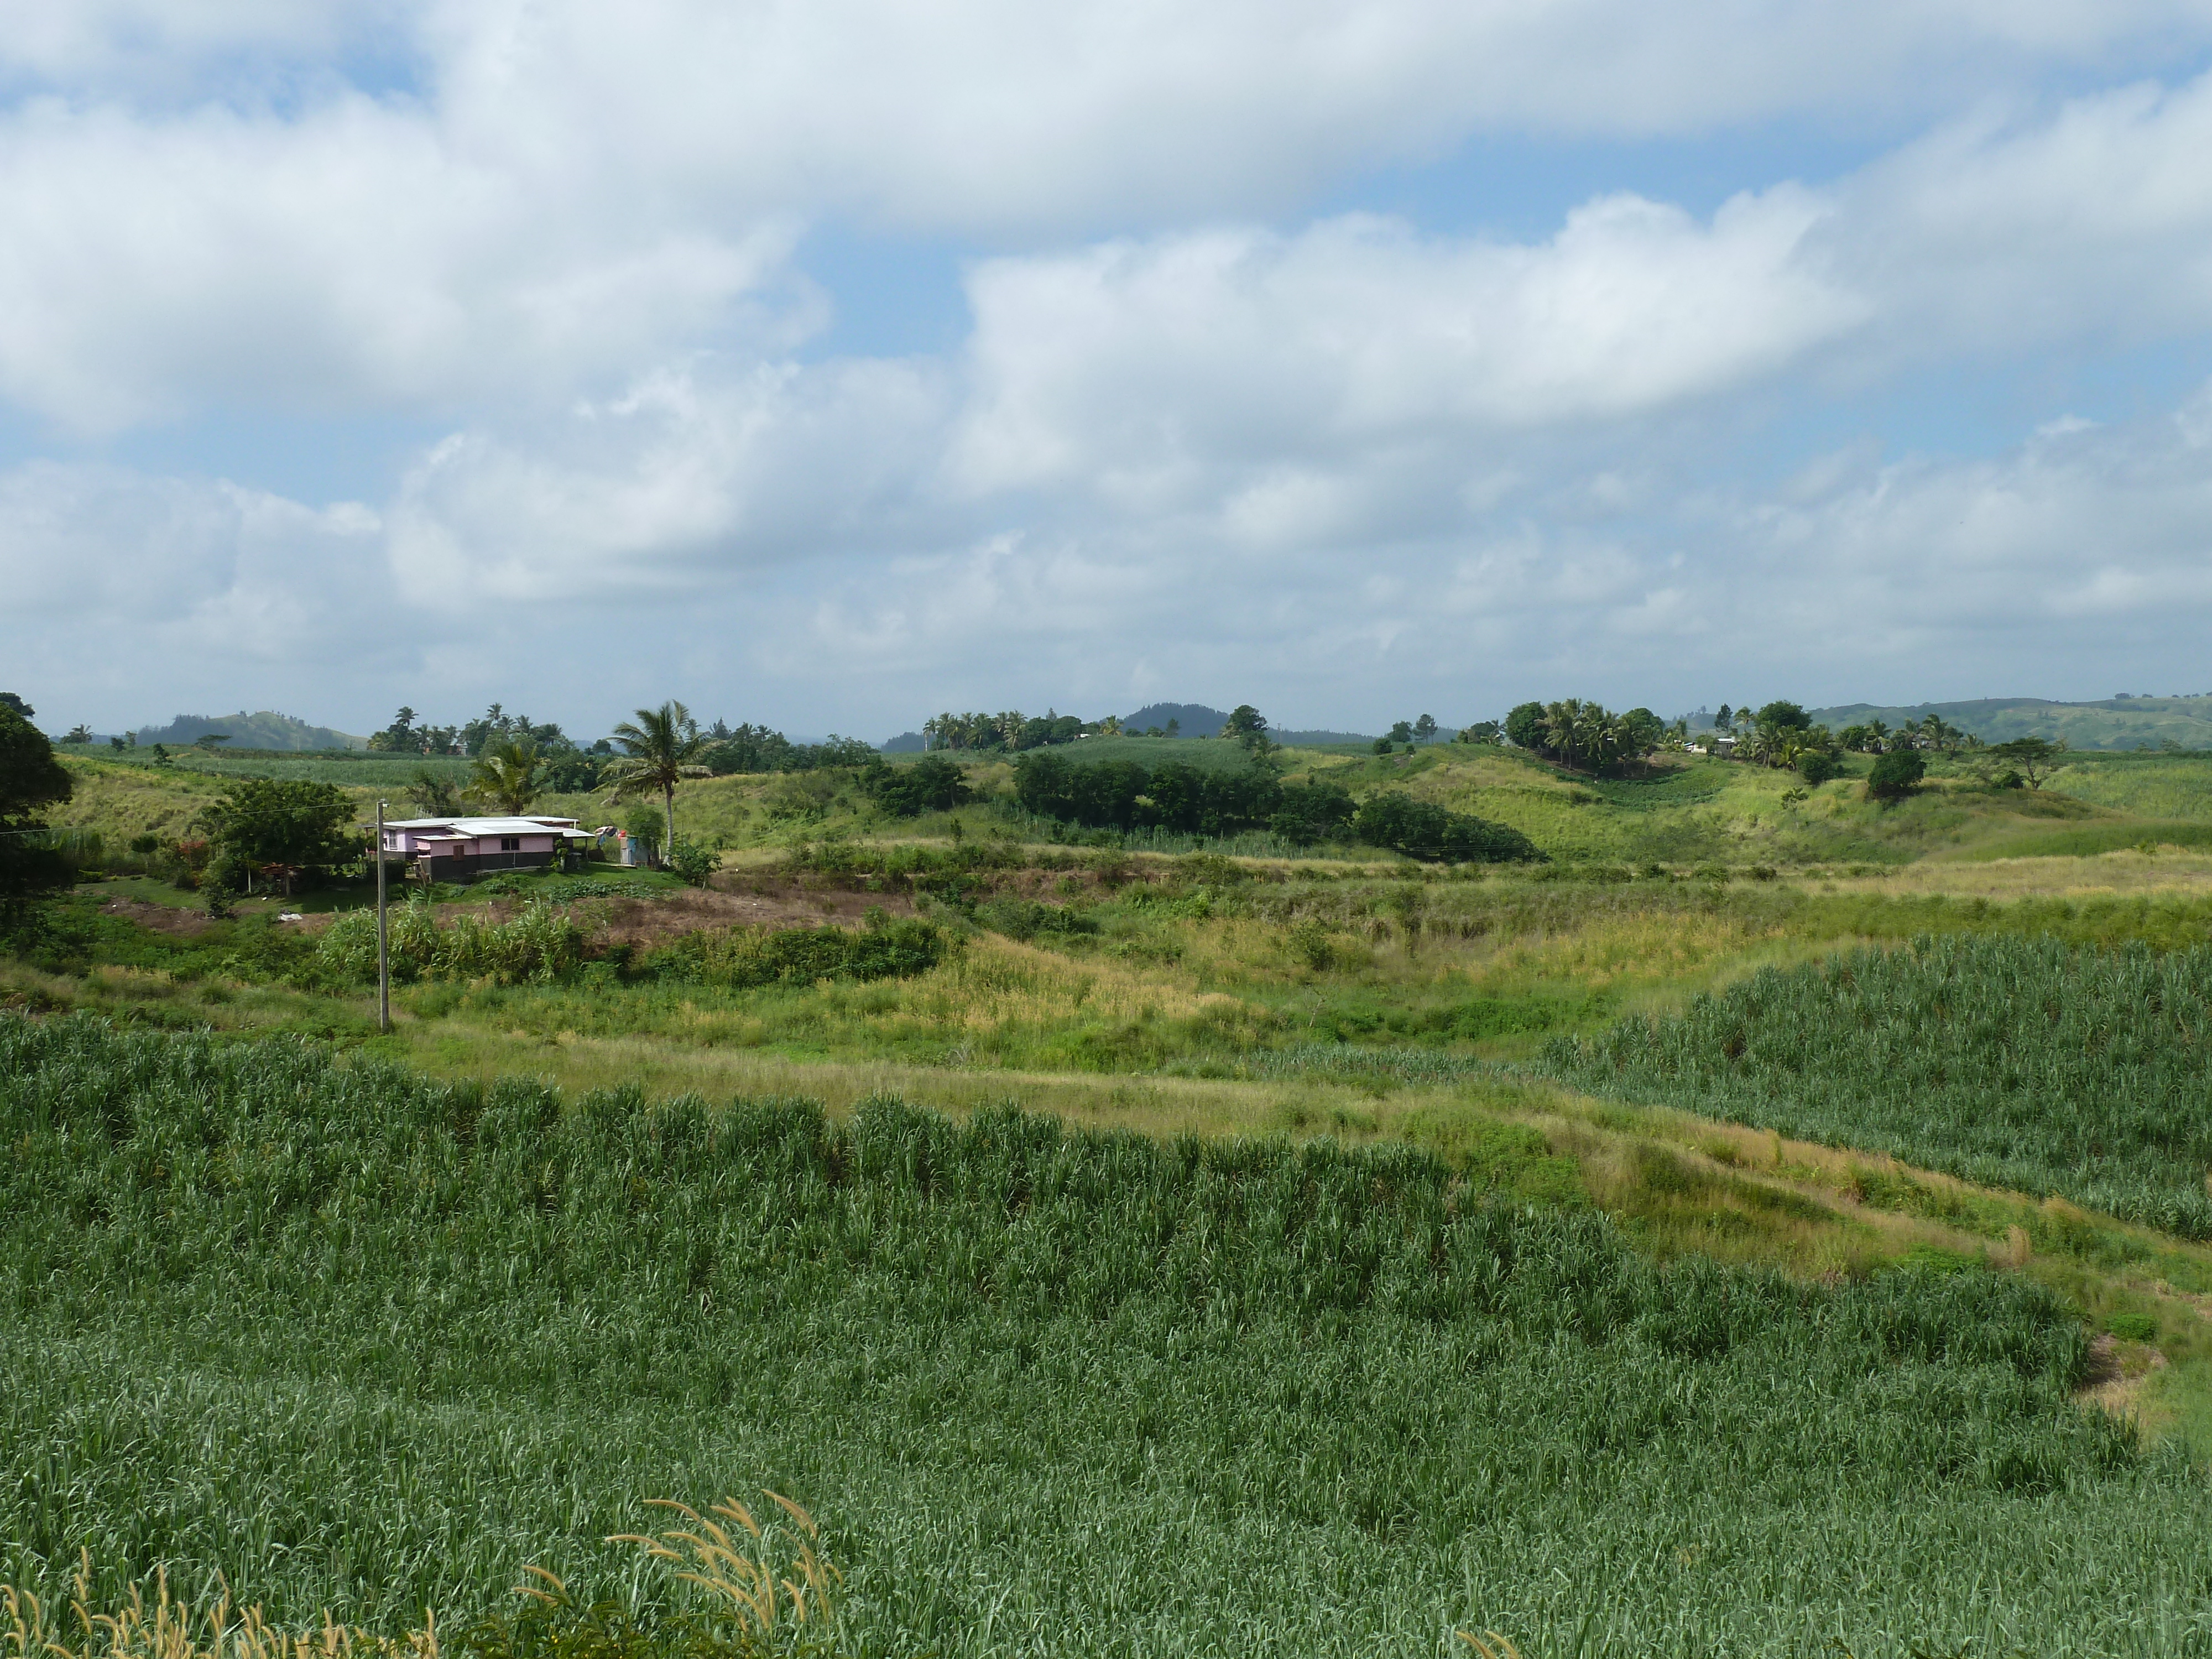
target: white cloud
<point>2090,224</point>
<point>1306,455</point>
<point>345,260</point>
<point>1001,112</point>
<point>1127,365</point>
<point>573,190</point>
<point>119,581</point>
<point>685,479</point>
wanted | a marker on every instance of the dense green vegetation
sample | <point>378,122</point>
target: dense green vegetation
<point>2015,1062</point>
<point>365,1342</point>
<point>741,959</point>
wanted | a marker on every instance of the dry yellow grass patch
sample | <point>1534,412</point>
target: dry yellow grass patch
<point>997,982</point>
<point>1608,950</point>
<point>167,1627</point>
<point>2130,873</point>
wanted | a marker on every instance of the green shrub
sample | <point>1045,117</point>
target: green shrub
<point>1024,919</point>
<point>1895,774</point>
<point>693,863</point>
<point>541,945</point>
<point>1422,830</point>
<point>1817,766</point>
<point>742,959</point>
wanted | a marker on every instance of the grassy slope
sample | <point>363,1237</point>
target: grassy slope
<point>2114,724</point>
<point>2176,787</point>
<point>352,767</point>
<point>1705,812</point>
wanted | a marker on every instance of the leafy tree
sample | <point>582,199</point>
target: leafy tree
<point>2035,757</point>
<point>1724,719</point>
<point>1383,745</point>
<point>30,778</point>
<point>1896,775</point>
<point>1422,830</point>
<point>1102,795</point>
<point>932,784</point>
<point>1524,726</point>
<point>1783,716</point>
<point>1424,729</point>
<point>10,700</point>
<point>1125,795</point>
<point>284,825</point>
<point>1482,731</point>
<point>661,749</point>
<point>434,796</point>
<point>1311,812</point>
<point>747,748</point>
<point>1583,733</point>
<point>1247,726</point>
<point>1403,731</point>
<point>400,735</point>
<point>506,773</point>
<point>1817,766</point>
<point>569,771</point>
<point>645,827</point>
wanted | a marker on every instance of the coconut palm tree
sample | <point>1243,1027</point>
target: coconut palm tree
<point>505,773</point>
<point>661,749</point>
<point>1562,724</point>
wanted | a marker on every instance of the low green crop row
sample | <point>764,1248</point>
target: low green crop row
<point>2024,1063</point>
<point>364,1341</point>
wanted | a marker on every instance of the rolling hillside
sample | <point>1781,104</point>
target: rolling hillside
<point>2123,722</point>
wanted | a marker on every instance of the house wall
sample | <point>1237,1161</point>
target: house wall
<point>466,866</point>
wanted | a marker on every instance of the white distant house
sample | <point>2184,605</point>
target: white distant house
<point>459,850</point>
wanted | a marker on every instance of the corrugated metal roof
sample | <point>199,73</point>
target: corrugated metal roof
<point>485,826</point>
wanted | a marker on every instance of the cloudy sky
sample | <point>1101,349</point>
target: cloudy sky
<point>830,362</point>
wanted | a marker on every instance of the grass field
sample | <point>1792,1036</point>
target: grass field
<point>1184,1253</point>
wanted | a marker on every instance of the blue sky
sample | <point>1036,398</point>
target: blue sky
<point>831,365</point>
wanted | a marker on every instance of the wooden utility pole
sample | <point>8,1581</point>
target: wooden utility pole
<point>383,949</point>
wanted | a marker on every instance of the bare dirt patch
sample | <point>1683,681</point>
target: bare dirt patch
<point>161,918</point>
<point>2118,1374</point>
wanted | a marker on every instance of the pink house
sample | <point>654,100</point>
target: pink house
<point>459,850</point>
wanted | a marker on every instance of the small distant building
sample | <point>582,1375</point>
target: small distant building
<point>1723,747</point>
<point>461,849</point>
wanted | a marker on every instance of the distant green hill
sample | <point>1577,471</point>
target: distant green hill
<point>266,730</point>
<point>2114,723</point>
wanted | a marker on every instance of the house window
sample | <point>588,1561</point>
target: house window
<point>510,843</point>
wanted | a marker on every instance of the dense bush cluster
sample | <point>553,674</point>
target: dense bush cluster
<point>741,959</point>
<point>541,945</point>
<point>1199,801</point>
<point>932,784</point>
<point>1422,830</point>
